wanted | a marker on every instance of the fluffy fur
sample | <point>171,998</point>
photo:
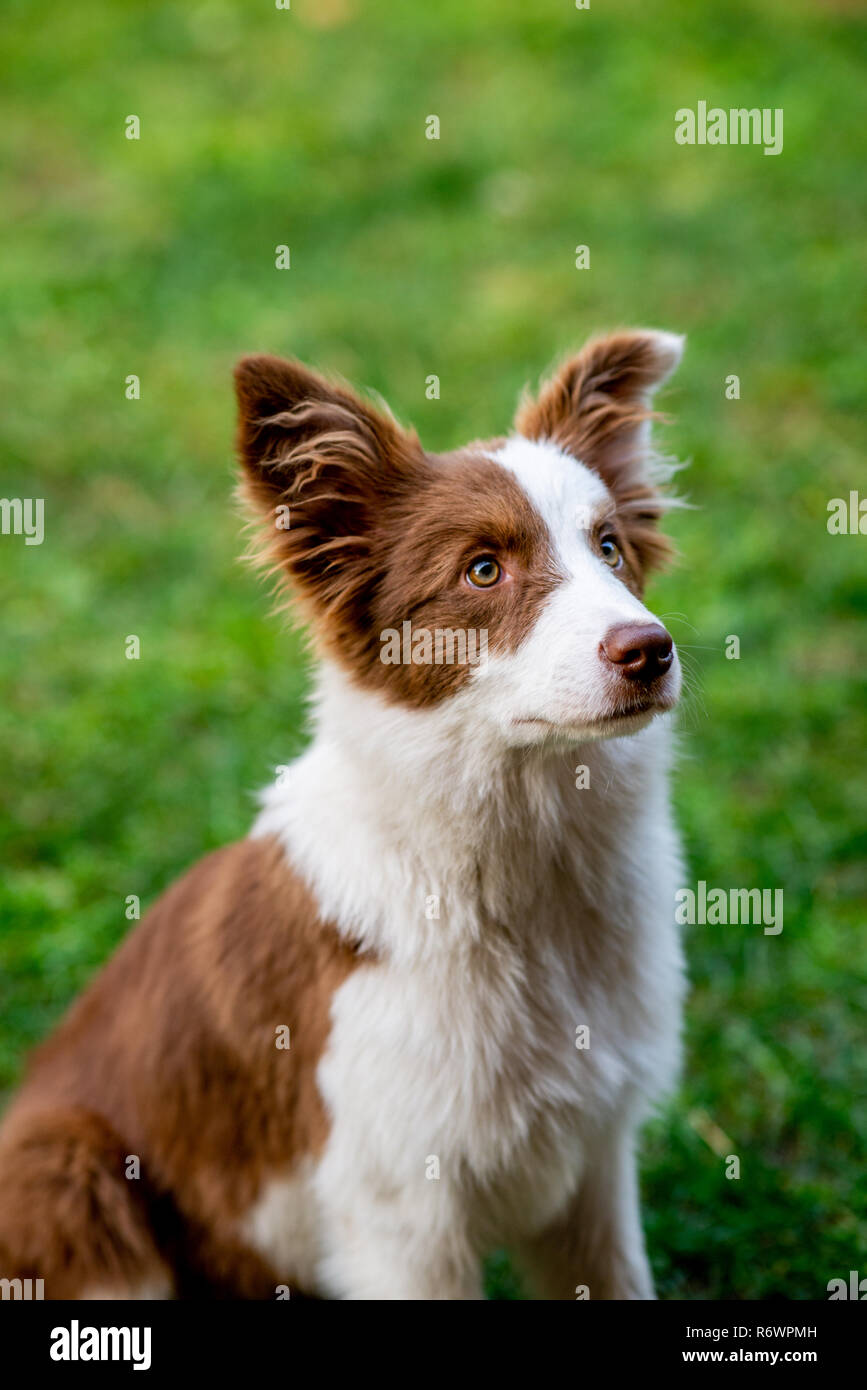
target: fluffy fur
<point>467,866</point>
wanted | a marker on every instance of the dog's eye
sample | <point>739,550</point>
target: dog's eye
<point>484,572</point>
<point>611,552</point>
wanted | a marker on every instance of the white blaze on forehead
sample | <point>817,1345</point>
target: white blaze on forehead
<point>567,496</point>
<point>556,676</point>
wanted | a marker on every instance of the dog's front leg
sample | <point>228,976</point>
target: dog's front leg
<point>411,1247</point>
<point>595,1247</point>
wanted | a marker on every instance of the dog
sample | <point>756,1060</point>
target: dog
<point>420,1013</point>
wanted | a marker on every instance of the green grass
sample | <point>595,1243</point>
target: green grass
<point>412,257</point>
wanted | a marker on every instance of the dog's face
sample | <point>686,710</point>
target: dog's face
<point>505,577</point>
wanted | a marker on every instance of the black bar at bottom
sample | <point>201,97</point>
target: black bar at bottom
<point>151,1339</point>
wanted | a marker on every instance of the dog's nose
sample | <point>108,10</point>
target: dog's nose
<point>641,651</point>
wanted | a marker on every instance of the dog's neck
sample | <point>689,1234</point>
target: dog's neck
<point>406,818</point>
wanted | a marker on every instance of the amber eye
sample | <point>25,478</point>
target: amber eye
<point>484,572</point>
<point>611,552</point>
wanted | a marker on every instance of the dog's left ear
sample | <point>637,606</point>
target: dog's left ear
<point>598,408</point>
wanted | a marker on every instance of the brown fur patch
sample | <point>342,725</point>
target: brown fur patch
<point>170,1055</point>
<point>337,465</point>
<point>468,508</point>
<point>596,407</point>
<point>68,1215</point>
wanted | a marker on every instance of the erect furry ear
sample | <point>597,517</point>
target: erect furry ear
<point>597,407</point>
<point>319,467</point>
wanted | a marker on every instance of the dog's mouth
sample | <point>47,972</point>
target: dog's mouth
<point>621,719</point>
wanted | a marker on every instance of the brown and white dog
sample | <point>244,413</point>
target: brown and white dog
<point>459,901</point>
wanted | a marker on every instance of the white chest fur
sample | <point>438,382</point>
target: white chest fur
<point>504,931</point>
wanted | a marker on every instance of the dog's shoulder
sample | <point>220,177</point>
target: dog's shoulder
<point>206,1026</point>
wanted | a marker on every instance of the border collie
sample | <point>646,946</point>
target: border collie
<point>421,1011</point>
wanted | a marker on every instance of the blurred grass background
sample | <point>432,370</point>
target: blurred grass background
<point>411,257</point>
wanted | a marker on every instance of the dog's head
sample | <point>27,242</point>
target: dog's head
<point>508,573</point>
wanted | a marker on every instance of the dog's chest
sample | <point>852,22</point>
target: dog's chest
<point>482,1070</point>
<point>464,1086</point>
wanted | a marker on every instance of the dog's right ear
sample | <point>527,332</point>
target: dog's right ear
<point>319,465</point>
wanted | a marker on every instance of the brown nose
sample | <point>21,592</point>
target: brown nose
<point>641,651</point>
